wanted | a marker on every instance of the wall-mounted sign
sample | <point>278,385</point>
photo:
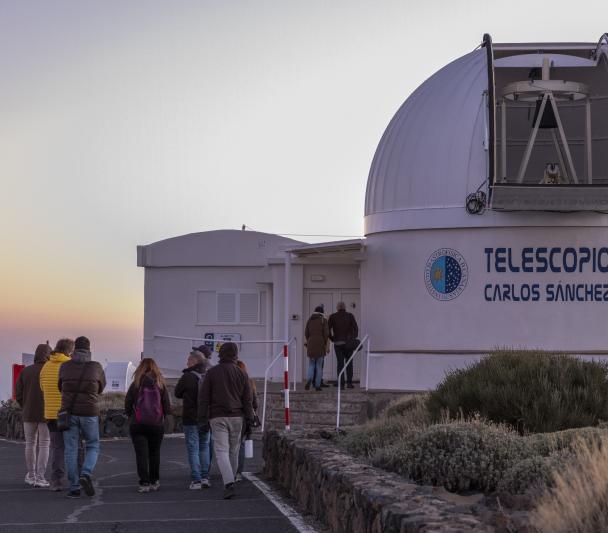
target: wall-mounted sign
<point>217,339</point>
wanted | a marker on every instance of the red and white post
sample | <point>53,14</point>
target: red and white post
<point>286,385</point>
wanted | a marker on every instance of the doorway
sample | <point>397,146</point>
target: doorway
<point>328,298</point>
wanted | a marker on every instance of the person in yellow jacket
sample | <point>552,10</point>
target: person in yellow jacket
<point>49,383</point>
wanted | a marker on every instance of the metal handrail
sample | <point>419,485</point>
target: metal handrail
<point>268,368</point>
<point>361,343</point>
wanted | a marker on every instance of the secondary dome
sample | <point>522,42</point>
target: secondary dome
<point>432,152</point>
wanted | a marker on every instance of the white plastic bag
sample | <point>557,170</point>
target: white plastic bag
<point>248,449</point>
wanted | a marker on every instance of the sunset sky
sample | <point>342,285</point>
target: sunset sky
<point>126,122</point>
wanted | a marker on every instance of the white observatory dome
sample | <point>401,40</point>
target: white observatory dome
<point>446,143</point>
<point>432,153</point>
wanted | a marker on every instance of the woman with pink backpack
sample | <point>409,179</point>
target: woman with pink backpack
<point>146,404</point>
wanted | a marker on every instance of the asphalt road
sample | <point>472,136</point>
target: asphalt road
<point>119,508</point>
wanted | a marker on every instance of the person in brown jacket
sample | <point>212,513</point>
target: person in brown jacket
<point>317,336</point>
<point>81,381</point>
<point>224,403</point>
<point>29,396</point>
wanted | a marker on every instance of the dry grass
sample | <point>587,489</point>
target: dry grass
<point>579,501</point>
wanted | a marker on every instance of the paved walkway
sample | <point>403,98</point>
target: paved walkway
<point>119,508</point>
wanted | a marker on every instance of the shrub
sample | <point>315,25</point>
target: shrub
<point>547,443</point>
<point>413,407</point>
<point>533,475</point>
<point>531,391</point>
<point>579,501</point>
<point>366,439</point>
<point>459,456</point>
<point>112,400</point>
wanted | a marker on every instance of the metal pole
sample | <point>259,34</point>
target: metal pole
<point>528,152</point>
<point>286,386</point>
<point>562,133</point>
<point>285,346</point>
<point>588,141</point>
<point>503,139</point>
<point>367,368</point>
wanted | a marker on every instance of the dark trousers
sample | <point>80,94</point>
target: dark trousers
<point>146,442</point>
<point>342,355</point>
<point>57,454</point>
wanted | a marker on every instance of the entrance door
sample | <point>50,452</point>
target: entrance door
<point>329,298</point>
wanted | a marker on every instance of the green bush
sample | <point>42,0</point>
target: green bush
<point>547,443</point>
<point>533,475</point>
<point>531,391</point>
<point>366,439</point>
<point>459,456</point>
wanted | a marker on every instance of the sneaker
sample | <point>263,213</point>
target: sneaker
<point>74,493</point>
<point>42,483</point>
<point>55,487</point>
<point>238,478</point>
<point>306,387</point>
<point>155,486</point>
<point>195,485</point>
<point>30,480</point>
<point>229,491</point>
<point>144,488</point>
<point>87,485</point>
<point>205,484</point>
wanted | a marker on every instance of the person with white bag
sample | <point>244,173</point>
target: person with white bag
<point>246,450</point>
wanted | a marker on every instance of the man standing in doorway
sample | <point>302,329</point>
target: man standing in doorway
<point>343,329</point>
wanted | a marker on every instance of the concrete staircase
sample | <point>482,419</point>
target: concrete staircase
<point>316,409</point>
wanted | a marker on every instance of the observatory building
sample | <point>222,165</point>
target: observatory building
<point>485,227</point>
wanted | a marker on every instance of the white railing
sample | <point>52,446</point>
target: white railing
<point>279,356</point>
<point>364,340</point>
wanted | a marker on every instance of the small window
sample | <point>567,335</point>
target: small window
<point>226,307</point>
<point>249,308</point>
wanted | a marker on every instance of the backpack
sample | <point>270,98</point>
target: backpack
<point>149,406</point>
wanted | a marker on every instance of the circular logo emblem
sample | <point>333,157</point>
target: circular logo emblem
<point>446,274</point>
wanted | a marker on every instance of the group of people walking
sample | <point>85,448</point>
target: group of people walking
<point>342,330</point>
<point>60,395</point>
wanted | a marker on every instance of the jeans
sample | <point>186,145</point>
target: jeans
<point>342,355</point>
<point>226,443</point>
<point>57,456</point>
<point>36,436</point>
<point>88,427</point>
<point>147,441</point>
<point>315,371</point>
<point>198,445</point>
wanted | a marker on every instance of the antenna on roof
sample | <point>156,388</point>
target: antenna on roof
<point>243,227</point>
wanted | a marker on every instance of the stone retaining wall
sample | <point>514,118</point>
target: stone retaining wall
<point>350,496</point>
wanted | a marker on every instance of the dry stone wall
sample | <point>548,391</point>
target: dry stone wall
<point>350,496</point>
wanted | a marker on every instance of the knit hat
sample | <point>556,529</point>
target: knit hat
<point>42,354</point>
<point>205,350</point>
<point>82,343</point>
<point>229,352</point>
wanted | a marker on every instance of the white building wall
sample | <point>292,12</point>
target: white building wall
<point>410,328</point>
<point>171,310</point>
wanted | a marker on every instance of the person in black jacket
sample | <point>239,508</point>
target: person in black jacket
<point>343,329</point>
<point>198,442</point>
<point>147,404</point>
